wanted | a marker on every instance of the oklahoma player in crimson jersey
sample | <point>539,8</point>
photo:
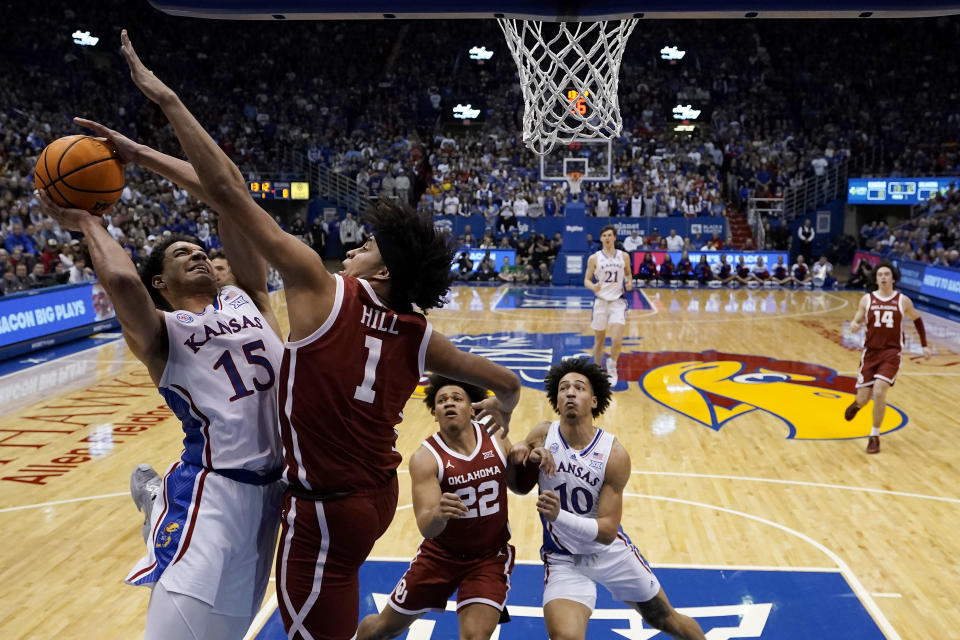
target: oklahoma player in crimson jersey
<point>355,353</point>
<point>882,312</point>
<point>459,478</point>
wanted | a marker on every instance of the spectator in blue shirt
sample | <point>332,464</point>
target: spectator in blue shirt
<point>17,238</point>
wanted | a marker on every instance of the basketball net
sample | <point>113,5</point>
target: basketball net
<point>569,78</point>
<point>573,181</point>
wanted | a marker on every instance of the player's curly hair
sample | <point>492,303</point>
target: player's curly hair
<point>417,255</point>
<point>599,382</point>
<point>475,393</point>
<point>888,265</point>
<point>153,266</point>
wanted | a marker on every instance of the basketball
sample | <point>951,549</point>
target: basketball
<point>80,172</point>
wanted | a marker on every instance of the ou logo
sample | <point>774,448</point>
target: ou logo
<point>400,593</point>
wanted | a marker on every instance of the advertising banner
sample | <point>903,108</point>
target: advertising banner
<point>43,312</point>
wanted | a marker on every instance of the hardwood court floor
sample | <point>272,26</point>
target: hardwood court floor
<point>742,494</point>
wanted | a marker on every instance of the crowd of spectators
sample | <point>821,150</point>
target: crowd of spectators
<point>372,100</point>
<point>932,235</point>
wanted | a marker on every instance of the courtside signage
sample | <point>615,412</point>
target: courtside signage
<point>46,311</point>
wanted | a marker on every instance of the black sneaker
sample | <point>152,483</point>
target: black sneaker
<point>851,411</point>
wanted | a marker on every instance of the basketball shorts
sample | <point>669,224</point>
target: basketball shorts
<point>322,545</point>
<point>434,575</point>
<point>621,569</point>
<point>882,364</point>
<point>212,538</point>
<point>607,312</point>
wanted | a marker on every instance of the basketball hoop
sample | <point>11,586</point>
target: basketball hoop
<point>573,181</point>
<point>569,78</point>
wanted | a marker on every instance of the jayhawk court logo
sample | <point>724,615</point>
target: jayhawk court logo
<point>714,388</point>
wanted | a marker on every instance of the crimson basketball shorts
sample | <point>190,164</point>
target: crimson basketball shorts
<point>434,575</point>
<point>322,545</point>
<point>879,364</point>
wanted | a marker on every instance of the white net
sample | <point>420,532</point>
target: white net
<point>573,182</point>
<point>569,74</point>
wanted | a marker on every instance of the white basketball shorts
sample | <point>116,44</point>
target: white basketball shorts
<point>621,569</point>
<point>607,312</point>
<point>212,538</point>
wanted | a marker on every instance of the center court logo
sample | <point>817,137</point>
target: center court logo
<point>709,387</point>
<point>713,388</point>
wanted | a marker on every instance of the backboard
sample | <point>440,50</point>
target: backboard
<point>591,157</point>
<point>568,10</point>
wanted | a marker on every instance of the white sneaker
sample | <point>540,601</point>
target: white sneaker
<point>612,372</point>
<point>145,485</point>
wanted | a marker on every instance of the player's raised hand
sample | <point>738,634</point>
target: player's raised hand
<point>519,453</point>
<point>127,149</point>
<point>544,459</point>
<point>548,504</point>
<point>71,219</point>
<point>451,506</point>
<point>499,417</point>
<point>149,84</point>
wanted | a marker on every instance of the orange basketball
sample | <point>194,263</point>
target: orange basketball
<point>80,172</point>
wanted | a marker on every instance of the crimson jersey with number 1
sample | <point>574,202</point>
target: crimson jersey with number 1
<point>480,481</point>
<point>343,389</point>
<point>883,322</point>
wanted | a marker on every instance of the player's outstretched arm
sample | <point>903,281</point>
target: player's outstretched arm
<point>178,171</point>
<point>444,358</point>
<point>527,459</point>
<point>226,190</point>
<point>249,267</point>
<point>143,325</point>
<point>861,313</point>
<point>247,264</point>
<point>627,272</point>
<point>911,312</point>
<point>431,507</point>
<point>610,501</point>
<point>588,274</point>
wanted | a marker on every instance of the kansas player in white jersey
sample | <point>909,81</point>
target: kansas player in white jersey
<point>608,274</point>
<point>214,355</point>
<point>580,507</point>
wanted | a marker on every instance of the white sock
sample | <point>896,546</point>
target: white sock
<point>875,431</point>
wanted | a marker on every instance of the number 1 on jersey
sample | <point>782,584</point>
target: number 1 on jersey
<point>365,391</point>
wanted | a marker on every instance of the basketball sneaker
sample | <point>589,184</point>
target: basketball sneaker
<point>145,485</point>
<point>612,372</point>
<point>851,411</point>
<point>873,444</point>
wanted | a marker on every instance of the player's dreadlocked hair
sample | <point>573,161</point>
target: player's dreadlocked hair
<point>153,266</point>
<point>417,255</point>
<point>599,382</point>
<point>475,393</point>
